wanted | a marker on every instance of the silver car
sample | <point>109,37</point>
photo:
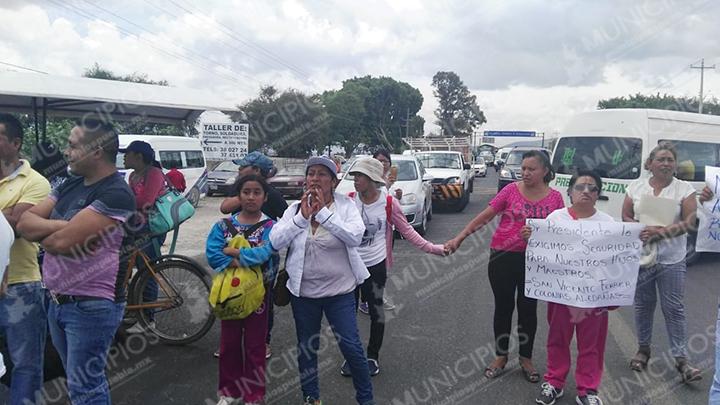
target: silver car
<point>416,189</point>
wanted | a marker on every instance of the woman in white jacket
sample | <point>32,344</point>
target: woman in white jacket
<point>322,232</point>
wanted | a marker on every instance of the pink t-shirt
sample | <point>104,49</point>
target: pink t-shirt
<point>513,209</point>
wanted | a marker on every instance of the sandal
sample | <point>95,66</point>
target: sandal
<point>531,376</point>
<point>687,372</point>
<point>492,371</point>
<point>640,361</point>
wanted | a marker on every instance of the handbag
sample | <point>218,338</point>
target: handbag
<point>281,294</point>
<point>170,210</point>
<point>648,254</point>
<point>237,292</point>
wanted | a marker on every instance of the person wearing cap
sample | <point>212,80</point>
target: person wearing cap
<point>258,164</point>
<point>380,212</point>
<point>147,182</point>
<point>274,206</point>
<point>323,232</point>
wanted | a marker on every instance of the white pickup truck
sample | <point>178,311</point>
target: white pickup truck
<point>452,177</point>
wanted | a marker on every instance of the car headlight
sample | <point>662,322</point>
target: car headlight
<point>505,173</point>
<point>453,180</point>
<point>230,180</point>
<point>409,199</point>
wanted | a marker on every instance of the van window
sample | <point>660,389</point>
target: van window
<point>171,158</point>
<point>693,157</point>
<point>610,157</point>
<point>194,158</point>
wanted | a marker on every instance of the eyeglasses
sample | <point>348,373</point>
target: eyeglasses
<point>586,187</point>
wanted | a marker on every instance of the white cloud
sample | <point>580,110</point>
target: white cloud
<point>531,63</point>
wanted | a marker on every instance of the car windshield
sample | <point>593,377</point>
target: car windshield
<point>439,160</point>
<point>407,171</point>
<point>291,170</point>
<point>515,158</point>
<point>611,157</point>
<point>226,166</point>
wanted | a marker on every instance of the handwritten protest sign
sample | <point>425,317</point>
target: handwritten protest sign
<point>708,236</point>
<point>585,264</point>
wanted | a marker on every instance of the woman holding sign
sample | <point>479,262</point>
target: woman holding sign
<point>708,195</point>
<point>529,198</point>
<point>589,324</point>
<point>667,274</point>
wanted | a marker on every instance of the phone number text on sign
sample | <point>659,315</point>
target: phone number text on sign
<point>224,141</point>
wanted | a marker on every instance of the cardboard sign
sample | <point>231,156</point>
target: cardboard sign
<point>586,264</point>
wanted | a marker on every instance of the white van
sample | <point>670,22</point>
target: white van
<point>616,142</point>
<point>183,152</point>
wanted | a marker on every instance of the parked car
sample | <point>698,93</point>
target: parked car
<point>414,182</point>
<point>453,177</point>
<point>289,180</point>
<point>480,167</point>
<point>511,170</point>
<point>222,178</point>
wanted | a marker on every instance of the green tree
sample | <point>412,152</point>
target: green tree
<point>346,114</point>
<point>458,113</point>
<point>387,105</point>
<point>660,102</point>
<point>290,123</point>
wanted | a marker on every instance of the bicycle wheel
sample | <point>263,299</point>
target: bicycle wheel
<point>184,288</point>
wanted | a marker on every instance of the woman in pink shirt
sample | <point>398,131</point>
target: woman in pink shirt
<point>147,182</point>
<point>529,198</point>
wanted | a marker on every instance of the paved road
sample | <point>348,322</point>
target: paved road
<point>437,342</point>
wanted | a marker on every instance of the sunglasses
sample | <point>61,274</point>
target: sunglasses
<point>586,187</point>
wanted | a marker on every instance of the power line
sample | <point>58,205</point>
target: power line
<point>23,67</point>
<point>234,35</point>
<point>90,16</point>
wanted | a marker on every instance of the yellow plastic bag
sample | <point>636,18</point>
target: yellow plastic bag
<point>237,292</point>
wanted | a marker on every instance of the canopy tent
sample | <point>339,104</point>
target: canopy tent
<point>73,97</point>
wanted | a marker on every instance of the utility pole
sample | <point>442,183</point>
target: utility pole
<point>702,68</point>
<point>407,123</point>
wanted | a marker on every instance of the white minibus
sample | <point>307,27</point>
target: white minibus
<point>182,152</point>
<point>616,142</point>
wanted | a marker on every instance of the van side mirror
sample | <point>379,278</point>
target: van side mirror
<point>466,166</point>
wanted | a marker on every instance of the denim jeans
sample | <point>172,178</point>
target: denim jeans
<point>341,315</point>
<point>82,333</point>
<point>23,321</point>
<point>669,281</point>
<point>715,388</point>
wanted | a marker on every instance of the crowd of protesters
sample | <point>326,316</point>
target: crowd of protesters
<point>338,247</point>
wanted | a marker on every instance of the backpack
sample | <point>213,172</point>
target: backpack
<point>238,291</point>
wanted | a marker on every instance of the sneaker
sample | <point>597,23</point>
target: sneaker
<point>268,352</point>
<point>345,369</point>
<point>591,398</point>
<point>138,328</point>
<point>388,305</point>
<point>548,394</point>
<point>312,401</point>
<point>363,307</point>
<point>374,367</point>
<point>228,401</point>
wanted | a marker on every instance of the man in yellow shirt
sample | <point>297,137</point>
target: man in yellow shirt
<point>23,320</point>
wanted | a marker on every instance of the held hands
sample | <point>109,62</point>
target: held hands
<point>452,245</point>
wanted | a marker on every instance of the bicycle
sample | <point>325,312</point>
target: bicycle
<point>181,314</point>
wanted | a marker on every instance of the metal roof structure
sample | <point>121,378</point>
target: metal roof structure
<point>73,97</point>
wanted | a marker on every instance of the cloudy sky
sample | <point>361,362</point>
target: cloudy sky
<point>531,63</point>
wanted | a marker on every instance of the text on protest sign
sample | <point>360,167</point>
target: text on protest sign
<point>224,141</point>
<point>585,264</point>
<point>708,236</point>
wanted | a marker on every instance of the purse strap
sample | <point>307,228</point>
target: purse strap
<point>234,232</point>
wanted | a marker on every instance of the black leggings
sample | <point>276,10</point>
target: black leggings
<point>372,291</point>
<point>506,271</point>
